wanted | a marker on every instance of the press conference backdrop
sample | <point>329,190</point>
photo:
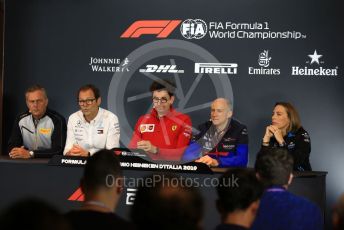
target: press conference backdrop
<point>252,52</point>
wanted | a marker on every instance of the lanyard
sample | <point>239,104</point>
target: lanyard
<point>275,190</point>
<point>99,204</point>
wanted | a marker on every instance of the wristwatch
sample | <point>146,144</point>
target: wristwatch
<point>31,154</point>
<point>282,145</point>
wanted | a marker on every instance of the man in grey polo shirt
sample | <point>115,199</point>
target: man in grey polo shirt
<point>38,132</point>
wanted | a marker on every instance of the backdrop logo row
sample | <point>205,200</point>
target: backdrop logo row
<point>101,64</point>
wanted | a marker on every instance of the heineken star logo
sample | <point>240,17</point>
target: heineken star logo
<point>315,57</point>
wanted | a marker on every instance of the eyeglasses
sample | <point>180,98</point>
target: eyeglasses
<point>87,101</point>
<point>162,100</point>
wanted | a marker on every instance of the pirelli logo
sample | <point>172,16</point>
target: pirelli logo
<point>160,28</point>
<point>216,68</point>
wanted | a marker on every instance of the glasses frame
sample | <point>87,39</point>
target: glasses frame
<point>162,100</point>
<point>88,101</point>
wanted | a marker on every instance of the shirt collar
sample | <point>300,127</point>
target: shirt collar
<point>155,113</point>
<point>37,120</point>
<point>96,119</point>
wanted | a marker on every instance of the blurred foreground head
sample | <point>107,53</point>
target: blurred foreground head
<point>166,202</point>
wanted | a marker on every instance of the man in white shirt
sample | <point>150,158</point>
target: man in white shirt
<point>91,128</point>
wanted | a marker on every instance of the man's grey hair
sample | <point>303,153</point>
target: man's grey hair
<point>35,88</point>
<point>227,101</point>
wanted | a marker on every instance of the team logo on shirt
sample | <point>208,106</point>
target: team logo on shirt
<point>244,131</point>
<point>78,124</point>
<point>230,147</point>
<point>44,131</point>
<point>229,139</point>
<point>147,128</point>
<point>291,145</point>
<point>306,137</point>
<point>174,127</point>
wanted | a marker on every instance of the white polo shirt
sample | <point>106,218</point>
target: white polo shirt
<point>101,133</point>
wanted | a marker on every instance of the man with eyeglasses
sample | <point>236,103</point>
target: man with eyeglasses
<point>91,128</point>
<point>38,132</point>
<point>164,133</point>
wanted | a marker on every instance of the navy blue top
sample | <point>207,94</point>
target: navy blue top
<point>280,209</point>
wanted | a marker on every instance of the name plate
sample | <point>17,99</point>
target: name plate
<point>136,163</point>
<point>59,160</point>
<point>133,161</point>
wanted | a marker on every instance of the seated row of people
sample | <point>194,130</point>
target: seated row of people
<point>164,134</point>
<point>247,199</point>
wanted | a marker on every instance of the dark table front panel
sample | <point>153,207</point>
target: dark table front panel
<point>56,184</point>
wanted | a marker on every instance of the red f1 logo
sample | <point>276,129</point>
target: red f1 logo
<point>77,195</point>
<point>162,28</point>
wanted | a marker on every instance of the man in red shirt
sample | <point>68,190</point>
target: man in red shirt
<point>164,133</point>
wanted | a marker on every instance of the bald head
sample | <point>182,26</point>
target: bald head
<point>221,111</point>
<point>223,102</point>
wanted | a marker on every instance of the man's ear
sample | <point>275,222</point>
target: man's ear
<point>172,99</point>
<point>254,207</point>
<point>229,114</point>
<point>99,101</point>
<point>291,176</point>
<point>258,176</point>
<point>119,185</point>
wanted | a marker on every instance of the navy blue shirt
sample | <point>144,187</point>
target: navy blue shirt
<point>282,210</point>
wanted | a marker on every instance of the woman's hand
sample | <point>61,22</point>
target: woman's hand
<point>277,133</point>
<point>268,134</point>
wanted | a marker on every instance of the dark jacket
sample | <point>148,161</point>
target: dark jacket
<point>230,151</point>
<point>298,145</point>
<point>45,138</point>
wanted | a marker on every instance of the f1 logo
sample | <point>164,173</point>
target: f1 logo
<point>131,193</point>
<point>162,28</point>
<point>77,195</point>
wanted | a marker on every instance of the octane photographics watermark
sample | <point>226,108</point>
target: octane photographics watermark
<point>162,180</point>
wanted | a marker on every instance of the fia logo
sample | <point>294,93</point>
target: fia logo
<point>193,29</point>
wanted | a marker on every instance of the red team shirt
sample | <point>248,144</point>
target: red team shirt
<point>170,133</point>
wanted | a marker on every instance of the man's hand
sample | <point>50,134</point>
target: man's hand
<point>147,146</point>
<point>77,150</point>
<point>208,161</point>
<point>20,153</point>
